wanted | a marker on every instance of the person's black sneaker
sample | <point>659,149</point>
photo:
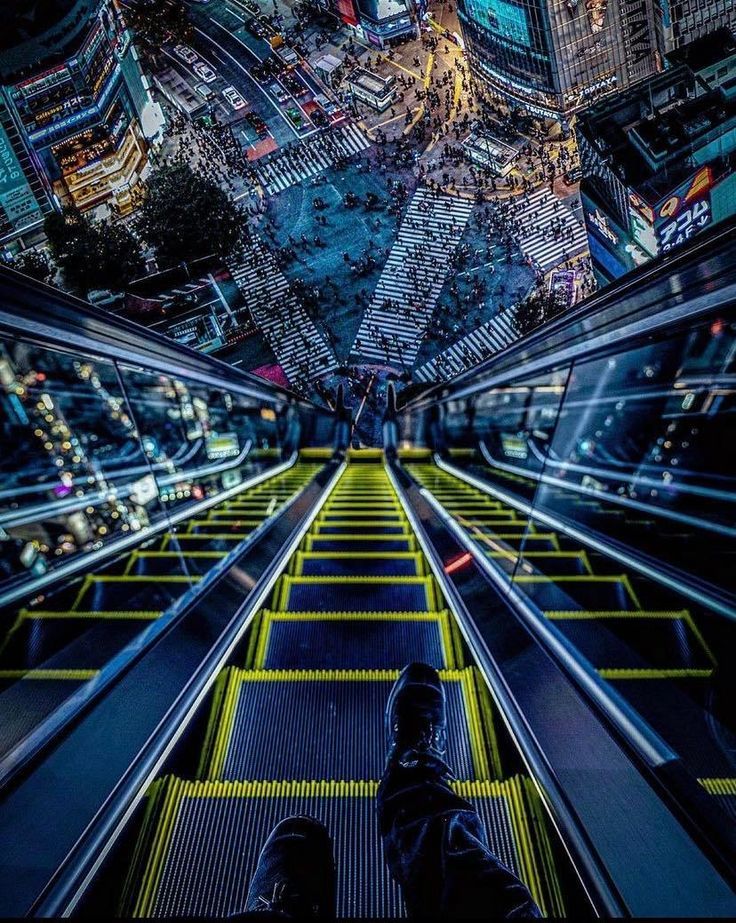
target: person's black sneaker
<point>415,715</point>
<point>295,874</point>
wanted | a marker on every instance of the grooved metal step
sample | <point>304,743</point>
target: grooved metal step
<point>342,594</point>
<point>202,839</point>
<point>331,725</point>
<point>368,564</point>
<point>353,640</point>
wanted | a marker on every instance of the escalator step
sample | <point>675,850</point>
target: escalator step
<point>131,592</point>
<point>370,526</point>
<point>353,641</point>
<point>201,841</point>
<point>370,564</point>
<point>158,563</point>
<point>70,642</point>
<point>343,594</point>
<point>563,563</point>
<point>27,698</point>
<point>359,543</point>
<point>636,640</point>
<point>331,725</point>
<point>588,592</point>
<point>219,542</point>
<point>724,792</point>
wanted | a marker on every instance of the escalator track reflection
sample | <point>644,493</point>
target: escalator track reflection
<point>656,656</point>
<point>61,642</point>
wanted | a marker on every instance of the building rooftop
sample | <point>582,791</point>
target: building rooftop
<point>40,33</point>
<point>706,51</point>
<point>648,134</point>
<point>380,10</point>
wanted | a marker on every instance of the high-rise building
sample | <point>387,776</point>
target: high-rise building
<point>77,119</point>
<point>659,161</point>
<point>554,58</point>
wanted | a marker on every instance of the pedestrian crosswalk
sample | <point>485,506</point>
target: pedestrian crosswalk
<point>300,348</point>
<point>290,166</point>
<point>491,337</point>
<point>400,310</point>
<point>549,232</point>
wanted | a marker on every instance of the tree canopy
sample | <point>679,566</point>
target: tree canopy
<point>35,264</point>
<point>93,255</point>
<point>156,22</point>
<point>186,215</point>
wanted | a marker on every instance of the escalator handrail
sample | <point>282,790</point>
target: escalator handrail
<point>673,580</point>
<point>34,312</point>
<point>656,759</point>
<point>62,894</point>
<point>25,587</point>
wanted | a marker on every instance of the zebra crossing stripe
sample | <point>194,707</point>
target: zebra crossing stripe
<point>298,345</point>
<point>491,337</point>
<point>276,175</point>
<point>393,335</point>
<point>538,216</point>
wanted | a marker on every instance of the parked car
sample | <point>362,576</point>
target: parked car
<point>279,92</point>
<point>257,122</point>
<point>204,91</point>
<point>257,28</point>
<point>204,71</point>
<point>185,53</point>
<point>294,116</point>
<point>234,98</point>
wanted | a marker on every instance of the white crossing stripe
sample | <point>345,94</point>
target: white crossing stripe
<point>300,348</point>
<point>290,166</point>
<point>491,337</point>
<point>397,318</point>
<point>548,230</point>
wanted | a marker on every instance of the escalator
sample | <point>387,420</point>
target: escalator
<point>356,602</point>
<point>59,642</point>
<point>644,641</point>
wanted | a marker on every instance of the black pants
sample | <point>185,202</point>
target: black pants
<point>437,851</point>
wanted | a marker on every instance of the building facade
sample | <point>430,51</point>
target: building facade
<point>659,162</point>
<point>554,57</point>
<point>76,111</point>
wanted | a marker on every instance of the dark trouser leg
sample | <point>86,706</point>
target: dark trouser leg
<point>437,851</point>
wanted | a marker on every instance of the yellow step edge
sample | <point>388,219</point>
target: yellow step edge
<point>716,786</point>
<point>357,537</point>
<point>586,614</point>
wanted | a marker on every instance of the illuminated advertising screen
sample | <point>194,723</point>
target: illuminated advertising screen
<point>685,212</point>
<point>16,196</point>
<point>505,20</point>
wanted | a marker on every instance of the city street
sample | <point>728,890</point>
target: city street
<point>388,244</point>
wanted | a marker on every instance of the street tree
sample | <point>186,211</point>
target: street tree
<point>34,263</point>
<point>93,255</point>
<point>186,215</point>
<point>157,22</point>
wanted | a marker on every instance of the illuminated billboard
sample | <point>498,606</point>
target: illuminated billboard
<point>505,20</point>
<point>685,212</point>
<point>16,196</point>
